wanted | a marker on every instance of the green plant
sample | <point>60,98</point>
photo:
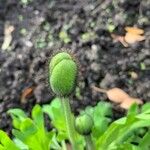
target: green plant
<point>93,129</point>
<point>6,143</point>
<point>62,78</point>
<point>64,36</point>
<point>23,31</point>
<point>25,2</point>
<point>131,132</point>
<point>121,134</point>
<point>30,133</point>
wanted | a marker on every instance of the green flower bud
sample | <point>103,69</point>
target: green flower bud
<point>62,74</point>
<point>84,124</point>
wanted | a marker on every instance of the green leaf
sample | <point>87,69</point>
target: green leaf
<point>104,109</point>
<point>146,108</point>
<point>31,133</point>
<point>101,122</point>
<point>125,146</point>
<point>42,134</point>
<point>144,143</point>
<point>55,112</point>
<point>20,144</point>
<point>30,140</point>
<point>63,35</point>
<point>18,116</point>
<point>87,36</point>
<point>6,143</point>
<point>17,112</point>
<point>143,116</point>
<point>100,126</point>
<point>123,130</point>
<point>28,127</point>
<point>110,134</point>
<point>37,116</point>
<point>133,110</point>
<point>61,136</point>
<point>54,144</point>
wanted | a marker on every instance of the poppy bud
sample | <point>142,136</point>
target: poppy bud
<point>62,74</point>
<point>84,124</point>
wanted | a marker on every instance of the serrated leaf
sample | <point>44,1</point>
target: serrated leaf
<point>18,116</point>
<point>88,110</point>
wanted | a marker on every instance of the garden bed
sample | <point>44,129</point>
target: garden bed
<point>43,27</point>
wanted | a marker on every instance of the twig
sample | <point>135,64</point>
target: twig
<point>98,89</point>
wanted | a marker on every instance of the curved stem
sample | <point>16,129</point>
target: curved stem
<point>69,122</point>
<point>89,143</point>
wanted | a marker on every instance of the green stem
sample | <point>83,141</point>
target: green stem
<point>69,122</point>
<point>89,143</point>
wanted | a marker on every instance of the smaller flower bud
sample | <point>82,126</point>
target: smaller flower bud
<point>84,124</point>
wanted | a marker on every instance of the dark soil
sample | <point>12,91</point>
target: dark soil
<point>83,24</point>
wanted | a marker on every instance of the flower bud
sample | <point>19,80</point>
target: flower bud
<point>84,124</point>
<point>62,74</point>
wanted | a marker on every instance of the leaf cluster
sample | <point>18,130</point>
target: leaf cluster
<point>131,132</point>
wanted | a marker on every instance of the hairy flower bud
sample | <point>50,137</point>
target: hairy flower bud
<point>62,74</point>
<point>84,124</point>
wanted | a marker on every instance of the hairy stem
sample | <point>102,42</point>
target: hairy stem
<point>69,122</point>
<point>89,143</point>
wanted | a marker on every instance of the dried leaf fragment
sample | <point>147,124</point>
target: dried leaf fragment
<point>134,30</point>
<point>132,38</point>
<point>129,101</point>
<point>7,36</point>
<point>119,38</point>
<point>119,96</point>
<point>26,93</point>
<point>133,75</point>
<point>116,95</point>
